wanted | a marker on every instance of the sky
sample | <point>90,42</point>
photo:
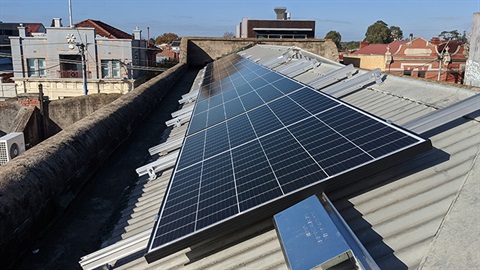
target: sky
<point>212,18</point>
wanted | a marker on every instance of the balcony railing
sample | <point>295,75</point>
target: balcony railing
<point>74,74</point>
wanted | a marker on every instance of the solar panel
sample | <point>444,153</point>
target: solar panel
<point>258,142</point>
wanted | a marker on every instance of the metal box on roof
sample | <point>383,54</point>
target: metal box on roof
<point>312,237</point>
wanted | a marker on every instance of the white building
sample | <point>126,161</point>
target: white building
<point>114,59</point>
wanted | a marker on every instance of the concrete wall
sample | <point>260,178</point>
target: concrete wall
<point>23,115</point>
<point>203,50</point>
<point>37,186</point>
<point>66,112</point>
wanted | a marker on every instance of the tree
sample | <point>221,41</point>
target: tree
<point>450,35</point>
<point>378,33</point>
<point>335,37</point>
<point>166,38</point>
<point>228,35</point>
<point>397,33</point>
<point>350,45</point>
<point>464,37</point>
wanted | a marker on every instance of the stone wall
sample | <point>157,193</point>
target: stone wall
<point>36,187</point>
<point>204,50</point>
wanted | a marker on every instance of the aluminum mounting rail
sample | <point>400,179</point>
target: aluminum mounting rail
<point>357,82</point>
<point>275,62</point>
<point>166,147</point>
<point>158,165</point>
<point>110,254</point>
<point>178,121</point>
<point>300,67</point>
<point>187,109</point>
<point>444,115</point>
<point>332,77</point>
<point>190,97</point>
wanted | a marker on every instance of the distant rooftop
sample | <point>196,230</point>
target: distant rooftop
<point>104,30</point>
<point>380,48</point>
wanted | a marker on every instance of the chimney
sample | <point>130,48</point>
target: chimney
<point>57,22</point>
<point>289,15</point>
<point>363,44</point>
<point>435,40</point>
<point>280,11</point>
<point>411,36</point>
<point>137,34</point>
<point>22,31</point>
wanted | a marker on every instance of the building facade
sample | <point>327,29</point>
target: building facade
<point>434,59</point>
<point>113,59</point>
<point>282,27</point>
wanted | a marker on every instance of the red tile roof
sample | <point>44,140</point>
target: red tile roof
<point>452,46</point>
<point>34,27</point>
<point>380,49</point>
<point>104,29</point>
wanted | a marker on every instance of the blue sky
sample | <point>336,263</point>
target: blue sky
<point>425,18</point>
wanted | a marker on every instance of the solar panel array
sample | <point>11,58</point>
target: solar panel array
<point>256,136</point>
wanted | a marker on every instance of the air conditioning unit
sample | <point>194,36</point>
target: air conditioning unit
<point>11,145</point>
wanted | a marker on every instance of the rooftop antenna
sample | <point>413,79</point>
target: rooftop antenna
<point>70,9</point>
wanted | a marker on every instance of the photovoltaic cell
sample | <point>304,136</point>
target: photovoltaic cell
<point>259,141</point>
<point>240,130</point>
<point>264,121</point>
<point>288,111</point>
<point>255,180</point>
<point>268,93</point>
<point>251,100</point>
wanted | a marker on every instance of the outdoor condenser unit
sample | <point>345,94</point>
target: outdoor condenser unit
<point>11,145</point>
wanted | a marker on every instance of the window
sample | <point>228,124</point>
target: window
<point>110,68</point>
<point>421,73</point>
<point>36,67</point>
<point>407,72</point>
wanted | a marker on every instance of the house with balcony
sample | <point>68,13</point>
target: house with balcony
<point>114,60</point>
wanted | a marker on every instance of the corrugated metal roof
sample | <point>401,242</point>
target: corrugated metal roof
<point>398,213</point>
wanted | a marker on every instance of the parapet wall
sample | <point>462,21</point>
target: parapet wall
<point>65,112</point>
<point>204,50</point>
<point>36,186</point>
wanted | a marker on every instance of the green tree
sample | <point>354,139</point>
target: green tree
<point>350,45</point>
<point>378,33</point>
<point>166,38</point>
<point>397,33</point>
<point>464,37</point>
<point>450,35</point>
<point>335,37</point>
